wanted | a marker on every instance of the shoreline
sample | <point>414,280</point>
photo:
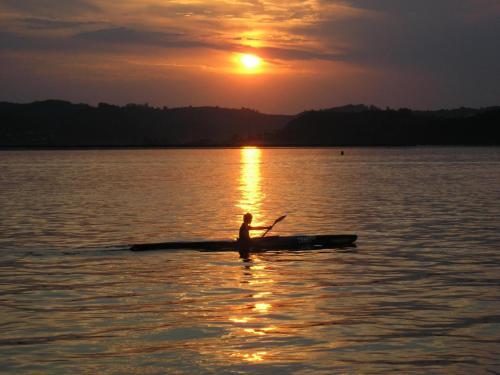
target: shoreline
<point>223,147</point>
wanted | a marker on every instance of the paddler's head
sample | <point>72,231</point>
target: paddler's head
<point>247,218</point>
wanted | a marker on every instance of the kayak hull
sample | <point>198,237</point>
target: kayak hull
<point>257,244</point>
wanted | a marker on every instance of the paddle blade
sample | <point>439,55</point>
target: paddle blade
<point>275,222</point>
<point>279,219</point>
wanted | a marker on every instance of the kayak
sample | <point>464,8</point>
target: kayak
<point>257,244</point>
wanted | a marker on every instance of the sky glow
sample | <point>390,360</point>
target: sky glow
<point>320,53</point>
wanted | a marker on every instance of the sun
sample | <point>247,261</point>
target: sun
<point>250,61</point>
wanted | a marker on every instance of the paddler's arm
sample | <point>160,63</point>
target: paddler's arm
<point>258,228</point>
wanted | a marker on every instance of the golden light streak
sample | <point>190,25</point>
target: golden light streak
<point>262,307</point>
<point>261,294</point>
<point>258,267</point>
<point>250,183</point>
<point>259,331</point>
<point>261,282</point>
<point>239,320</point>
<point>254,332</point>
<point>255,357</point>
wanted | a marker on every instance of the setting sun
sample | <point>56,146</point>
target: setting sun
<point>250,61</point>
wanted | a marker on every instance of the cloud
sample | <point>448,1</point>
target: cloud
<point>127,36</point>
<point>419,8</point>
<point>103,40</point>
<point>124,36</point>
<point>282,53</point>
<point>50,24</point>
<point>14,42</point>
<point>219,25</point>
<point>439,37</point>
<point>447,46</point>
<point>269,11</point>
<point>50,8</point>
<point>38,44</point>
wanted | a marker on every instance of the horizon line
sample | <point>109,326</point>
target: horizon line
<point>165,107</point>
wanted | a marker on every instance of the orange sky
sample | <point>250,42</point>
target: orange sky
<point>314,53</point>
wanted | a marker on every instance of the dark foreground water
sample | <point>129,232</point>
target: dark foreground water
<point>420,293</point>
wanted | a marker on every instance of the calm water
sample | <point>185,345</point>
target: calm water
<point>420,293</point>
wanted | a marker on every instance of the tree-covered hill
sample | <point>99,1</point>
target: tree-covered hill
<point>56,123</point>
<point>403,127</point>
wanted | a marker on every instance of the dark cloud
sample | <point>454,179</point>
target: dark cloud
<point>47,24</point>
<point>283,53</point>
<point>14,42</point>
<point>109,40</point>
<point>104,39</point>
<point>50,8</point>
<point>127,36</point>
<point>38,44</point>
<point>451,44</point>
<point>425,7</point>
<point>437,38</point>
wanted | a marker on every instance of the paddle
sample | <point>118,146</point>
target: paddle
<point>275,222</point>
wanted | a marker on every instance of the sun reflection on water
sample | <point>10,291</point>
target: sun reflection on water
<point>254,325</point>
<point>261,294</point>
<point>254,357</point>
<point>250,183</point>
<point>262,307</point>
<point>259,331</point>
<point>239,320</point>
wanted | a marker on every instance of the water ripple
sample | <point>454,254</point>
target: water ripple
<point>420,293</point>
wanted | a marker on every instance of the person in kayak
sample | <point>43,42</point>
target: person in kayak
<point>245,229</point>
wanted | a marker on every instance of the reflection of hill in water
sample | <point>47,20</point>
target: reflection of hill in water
<point>62,124</point>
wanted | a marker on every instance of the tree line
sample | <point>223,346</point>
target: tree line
<point>55,123</point>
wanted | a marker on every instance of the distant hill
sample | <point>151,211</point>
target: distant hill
<point>375,127</point>
<point>55,123</point>
<point>352,108</point>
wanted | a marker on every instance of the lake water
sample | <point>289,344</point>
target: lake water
<point>420,293</point>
